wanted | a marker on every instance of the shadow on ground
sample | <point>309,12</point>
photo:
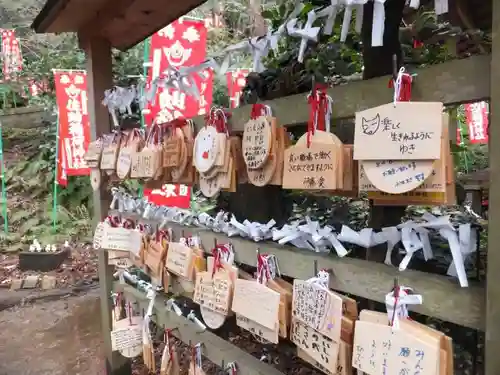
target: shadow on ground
<point>60,337</point>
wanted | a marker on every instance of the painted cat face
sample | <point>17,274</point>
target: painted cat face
<point>370,126</point>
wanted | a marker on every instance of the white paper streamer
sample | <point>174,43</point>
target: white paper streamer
<point>441,6</point>
<point>310,235</point>
<point>378,24</point>
<point>401,306</point>
<point>330,12</point>
<point>307,34</point>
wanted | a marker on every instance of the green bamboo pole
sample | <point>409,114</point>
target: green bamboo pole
<point>54,204</point>
<point>4,190</point>
<point>147,46</point>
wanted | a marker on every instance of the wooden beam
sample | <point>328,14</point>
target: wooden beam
<point>100,78</point>
<point>214,348</point>
<point>492,340</point>
<point>443,297</point>
<point>110,11</point>
<point>451,82</point>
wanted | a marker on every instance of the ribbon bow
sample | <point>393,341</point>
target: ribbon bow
<point>306,34</point>
<point>396,304</point>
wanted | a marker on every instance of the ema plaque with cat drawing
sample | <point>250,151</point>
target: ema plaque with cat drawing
<point>370,126</point>
<point>407,131</point>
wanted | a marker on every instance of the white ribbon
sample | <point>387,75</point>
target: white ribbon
<point>415,4</point>
<point>364,238</point>
<point>441,6</point>
<point>351,5</point>
<point>322,279</point>
<point>404,299</point>
<point>378,24</point>
<point>393,236</point>
<point>468,241</point>
<point>181,78</point>
<point>331,13</point>
<point>306,34</point>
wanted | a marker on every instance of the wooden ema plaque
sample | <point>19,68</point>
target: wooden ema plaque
<point>180,260</point>
<point>410,144</point>
<point>257,142</point>
<point>205,149</point>
<point>154,257</point>
<point>379,349</point>
<point>438,188</point>
<point>169,362</point>
<point>256,302</point>
<point>121,239</point>
<point>213,293</point>
<point>126,336</point>
<point>315,167</point>
<point>344,365</point>
<point>267,334</point>
<point>422,331</point>
<point>317,307</point>
<point>405,131</point>
<point>319,347</point>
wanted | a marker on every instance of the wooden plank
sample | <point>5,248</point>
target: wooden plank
<point>214,348</point>
<point>100,78</point>
<point>492,339</point>
<point>443,297</point>
<point>451,82</point>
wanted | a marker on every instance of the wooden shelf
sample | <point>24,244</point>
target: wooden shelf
<point>443,298</point>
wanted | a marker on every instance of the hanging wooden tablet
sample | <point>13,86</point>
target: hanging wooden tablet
<point>263,176</point>
<point>155,254</point>
<point>211,187</point>
<point>257,142</point>
<point>285,290</point>
<point>256,302</point>
<point>172,144</point>
<point>148,353</point>
<point>344,365</point>
<point>213,292</point>
<point>184,159</point>
<point>380,349</point>
<point>282,142</point>
<point>407,136</point>
<point>93,154</point>
<point>206,147</point>
<point>110,149</point>
<point>126,336</point>
<point>434,190</point>
<point>422,331</point>
<point>236,153</point>
<point>131,144</point>
<point>405,131</point>
<point>318,307</point>
<point>179,260</point>
<point>314,167</point>
<point>170,361</point>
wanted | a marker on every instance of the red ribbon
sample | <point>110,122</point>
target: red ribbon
<point>405,91</point>
<point>258,110</point>
<point>218,120</point>
<point>317,109</point>
<point>262,266</point>
<point>217,251</point>
<point>114,221</point>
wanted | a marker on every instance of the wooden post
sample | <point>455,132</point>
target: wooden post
<point>100,78</point>
<point>492,342</point>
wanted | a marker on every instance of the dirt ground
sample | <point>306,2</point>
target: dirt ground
<point>59,337</point>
